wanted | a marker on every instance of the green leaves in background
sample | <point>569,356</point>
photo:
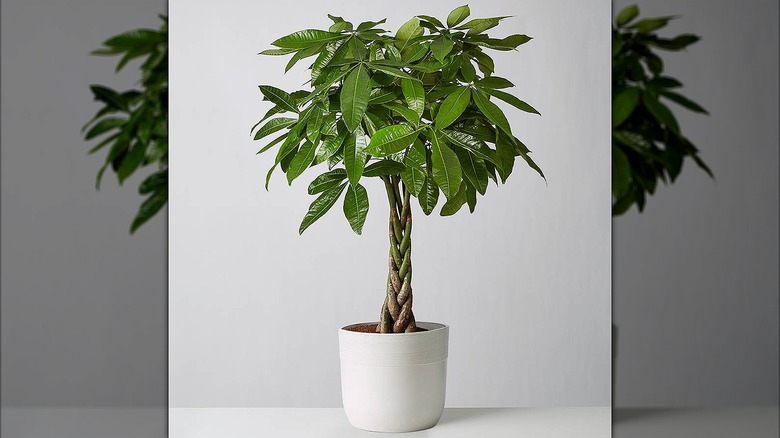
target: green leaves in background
<point>647,142</point>
<point>134,123</point>
<point>412,106</point>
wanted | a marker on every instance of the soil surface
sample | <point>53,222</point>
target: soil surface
<point>371,328</point>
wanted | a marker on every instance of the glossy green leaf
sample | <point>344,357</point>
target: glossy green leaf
<point>136,38</point>
<point>392,139</point>
<point>301,161</point>
<point>458,15</point>
<point>109,97</point>
<point>414,174</point>
<point>433,20</point>
<point>355,156</point>
<point>650,24</point>
<point>494,82</point>
<point>131,162</point>
<point>151,206</point>
<point>384,167</point>
<point>454,203</point>
<point>354,96</point>
<point>441,47</point>
<point>279,97</point>
<point>356,207</point>
<point>274,125</point>
<point>473,169</point>
<point>429,195</point>
<point>329,147</point>
<point>405,112</point>
<point>104,126</point>
<point>414,94</point>
<point>392,71</point>
<point>408,30</point>
<point>452,107</point>
<point>320,206</point>
<point>479,25</point>
<point>512,100</point>
<point>305,38</point>
<point>327,181</point>
<point>491,111</point>
<point>446,168</point>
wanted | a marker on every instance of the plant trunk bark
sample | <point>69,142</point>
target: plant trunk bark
<point>397,315</point>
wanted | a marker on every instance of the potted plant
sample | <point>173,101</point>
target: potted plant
<point>413,111</point>
<point>134,123</point>
<point>647,143</point>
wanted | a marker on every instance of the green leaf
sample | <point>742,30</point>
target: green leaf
<point>392,139</point>
<point>470,143</point>
<point>474,169</point>
<point>329,147</point>
<point>441,47</point>
<point>355,156</point>
<point>131,161</point>
<point>664,82</point>
<point>626,15</point>
<point>327,181</point>
<point>392,71</point>
<point>467,70</point>
<point>454,203</point>
<point>306,38</point>
<point>623,105</point>
<point>149,208</point>
<point>480,25</point>
<point>414,95</point>
<point>648,25</point>
<point>314,125</point>
<point>452,107</point>
<point>661,112</point>
<point>414,52</point>
<point>279,97</point>
<point>154,182</point>
<point>277,52</point>
<point>366,25</point>
<point>621,173</point>
<point>356,207</point>
<point>433,20</point>
<point>406,113</point>
<point>684,101</point>
<point>458,15</point>
<point>446,169</point>
<point>429,195</point>
<point>494,82</point>
<point>384,167</point>
<point>491,111</point>
<point>408,30</point>
<point>512,100</point>
<point>354,96</point>
<point>414,175</point>
<point>136,38</point>
<point>320,206</point>
<point>103,126</point>
<point>471,196</point>
<point>274,125</point>
<point>109,97</point>
<point>301,161</point>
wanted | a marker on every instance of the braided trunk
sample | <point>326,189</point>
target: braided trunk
<point>397,316</point>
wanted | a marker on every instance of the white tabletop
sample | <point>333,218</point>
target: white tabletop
<point>332,423</point>
<point>755,422</point>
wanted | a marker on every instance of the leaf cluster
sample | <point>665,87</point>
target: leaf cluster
<point>418,104</point>
<point>647,143</point>
<point>133,124</point>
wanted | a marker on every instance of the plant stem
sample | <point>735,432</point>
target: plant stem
<point>397,315</point>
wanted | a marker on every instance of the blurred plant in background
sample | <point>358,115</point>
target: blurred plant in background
<point>647,142</point>
<point>134,123</point>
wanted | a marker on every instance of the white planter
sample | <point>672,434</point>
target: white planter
<point>394,382</point>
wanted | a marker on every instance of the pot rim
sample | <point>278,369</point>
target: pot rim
<point>431,327</point>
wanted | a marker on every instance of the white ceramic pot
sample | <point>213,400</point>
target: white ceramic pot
<point>394,382</point>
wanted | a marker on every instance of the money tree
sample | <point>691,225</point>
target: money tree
<point>415,110</point>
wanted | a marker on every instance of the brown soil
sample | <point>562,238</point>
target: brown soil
<point>371,328</point>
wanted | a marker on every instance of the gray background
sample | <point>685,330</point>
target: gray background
<point>83,302</point>
<point>523,282</point>
<point>83,322</point>
<point>696,275</point>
